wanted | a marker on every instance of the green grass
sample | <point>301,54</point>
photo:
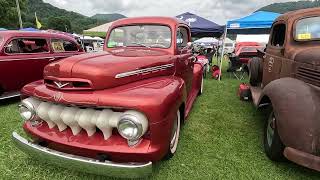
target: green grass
<point>222,139</point>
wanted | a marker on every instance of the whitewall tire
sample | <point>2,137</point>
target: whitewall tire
<point>201,87</point>
<point>174,138</point>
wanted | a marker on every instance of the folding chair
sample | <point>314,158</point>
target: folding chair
<point>236,68</point>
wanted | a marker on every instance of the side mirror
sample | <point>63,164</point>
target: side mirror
<point>189,45</point>
<point>8,46</point>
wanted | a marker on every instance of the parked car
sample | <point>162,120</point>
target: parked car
<point>229,47</point>
<point>115,112</point>
<point>245,53</point>
<point>286,80</point>
<point>242,44</point>
<point>23,55</point>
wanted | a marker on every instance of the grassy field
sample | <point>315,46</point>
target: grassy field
<point>222,139</point>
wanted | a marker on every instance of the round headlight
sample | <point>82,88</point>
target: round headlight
<point>132,125</point>
<point>27,111</point>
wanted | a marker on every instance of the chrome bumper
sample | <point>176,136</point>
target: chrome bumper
<point>107,168</point>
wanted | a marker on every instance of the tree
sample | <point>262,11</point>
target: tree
<point>8,13</point>
<point>60,23</point>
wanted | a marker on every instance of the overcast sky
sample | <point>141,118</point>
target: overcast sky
<point>216,10</point>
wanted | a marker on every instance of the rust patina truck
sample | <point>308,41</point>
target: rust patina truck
<point>115,112</point>
<point>286,79</point>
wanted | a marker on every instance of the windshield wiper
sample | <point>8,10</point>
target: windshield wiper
<point>140,44</point>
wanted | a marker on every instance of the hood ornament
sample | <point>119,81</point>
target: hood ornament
<point>60,84</point>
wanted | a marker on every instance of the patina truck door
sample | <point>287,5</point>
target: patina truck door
<point>274,53</point>
<point>185,59</point>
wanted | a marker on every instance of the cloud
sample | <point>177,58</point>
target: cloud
<point>216,10</point>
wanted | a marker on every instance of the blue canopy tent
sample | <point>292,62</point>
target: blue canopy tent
<point>256,23</point>
<point>29,29</point>
<point>201,27</point>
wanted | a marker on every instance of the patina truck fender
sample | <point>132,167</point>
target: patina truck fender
<point>296,105</point>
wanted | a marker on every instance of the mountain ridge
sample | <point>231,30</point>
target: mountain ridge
<point>290,6</point>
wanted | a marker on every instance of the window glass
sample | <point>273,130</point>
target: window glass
<point>278,35</point>
<point>156,36</point>
<point>308,29</point>
<point>182,37</point>
<point>27,45</point>
<point>61,45</point>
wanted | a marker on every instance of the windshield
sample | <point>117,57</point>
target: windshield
<point>150,36</point>
<point>308,29</point>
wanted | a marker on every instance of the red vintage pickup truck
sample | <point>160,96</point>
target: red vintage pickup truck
<point>115,112</point>
<point>23,55</point>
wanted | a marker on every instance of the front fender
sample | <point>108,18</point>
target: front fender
<point>296,105</point>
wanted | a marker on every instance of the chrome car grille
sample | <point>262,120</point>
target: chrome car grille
<point>76,118</point>
<point>68,85</point>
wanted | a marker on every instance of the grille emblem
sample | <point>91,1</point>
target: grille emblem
<point>58,96</point>
<point>60,85</point>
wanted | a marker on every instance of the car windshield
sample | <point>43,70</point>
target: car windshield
<point>150,36</point>
<point>308,29</point>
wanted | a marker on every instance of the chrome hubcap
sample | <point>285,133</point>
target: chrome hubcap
<point>270,129</point>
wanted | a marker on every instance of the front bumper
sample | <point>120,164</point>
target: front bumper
<point>89,165</point>
<point>302,158</point>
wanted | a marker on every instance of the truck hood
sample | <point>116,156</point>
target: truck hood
<point>309,56</point>
<point>108,69</point>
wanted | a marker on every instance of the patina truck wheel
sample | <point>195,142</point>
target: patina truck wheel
<point>174,140</point>
<point>272,143</point>
<point>255,74</point>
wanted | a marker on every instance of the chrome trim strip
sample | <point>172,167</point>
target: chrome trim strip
<point>145,70</point>
<point>22,59</point>
<point>9,95</point>
<point>84,164</point>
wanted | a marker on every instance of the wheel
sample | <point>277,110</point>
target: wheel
<point>273,145</point>
<point>201,87</point>
<point>255,72</point>
<point>175,133</point>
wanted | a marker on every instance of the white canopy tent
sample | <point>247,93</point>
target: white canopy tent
<point>260,38</point>
<point>207,40</point>
<point>101,28</point>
